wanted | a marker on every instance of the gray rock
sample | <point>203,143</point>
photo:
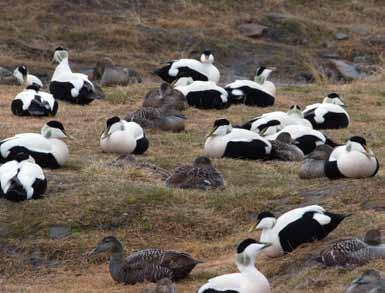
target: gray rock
<point>252,30</point>
<point>4,72</point>
<point>59,232</point>
<point>378,40</point>
<point>347,71</point>
<point>277,16</point>
<point>360,30</point>
<point>340,36</point>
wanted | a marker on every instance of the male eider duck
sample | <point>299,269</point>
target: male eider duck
<point>205,95</point>
<point>226,141</point>
<point>32,102</point>
<point>123,137</point>
<point>26,79</point>
<point>68,86</point>
<point>201,175</point>
<point>295,227</point>
<point>313,166</point>
<point>260,92</point>
<point>197,70</point>
<point>22,179</point>
<point>354,251</point>
<point>47,148</point>
<point>328,115</point>
<point>248,280</point>
<point>271,123</point>
<point>149,265</point>
<point>352,160</point>
<point>370,282</point>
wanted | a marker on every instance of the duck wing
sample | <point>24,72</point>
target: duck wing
<point>344,252</point>
<point>140,271</point>
<point>203,178</point>
<point>178,178</point>
<point>180,263</point>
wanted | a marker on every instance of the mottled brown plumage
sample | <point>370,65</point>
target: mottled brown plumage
<point>369,282</point>
<point>283,148</point>
<point>314,164</point>
<point>200,175</point>
<point>146,265</point>
<point>165,96</point>
<point>163,286</point>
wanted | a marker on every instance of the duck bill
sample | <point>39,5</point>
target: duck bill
<point>211,132</point>
<point>92,252</point>
<point>105,132</point>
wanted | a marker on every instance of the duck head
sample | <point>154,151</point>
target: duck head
<point>373,237</point>
<point>358,143</point>
<point>109,243</point>
<point>265,221</point>
<point>53,129</point>
<point>59,54</point>
<point>20,73</point>
<point>295,110</point>
<point>262,74</point>
<point>112,124</point>
<point>221,127</point>
<point>202,161</point>
<point>248,250</point>
<point>20,157</point>
<point>207,57</point>
<point>334,98</point>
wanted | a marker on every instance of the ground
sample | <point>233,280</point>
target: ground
<point>93,199</point>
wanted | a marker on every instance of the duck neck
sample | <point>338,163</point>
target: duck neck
<point>249,271</point>
<point>59,150</point>
<point>62,68</point>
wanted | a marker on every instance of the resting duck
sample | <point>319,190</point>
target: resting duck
<point>26,79</point>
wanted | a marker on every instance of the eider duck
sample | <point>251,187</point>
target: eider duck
<point>260,92</point>
<point>328,115</point>
<point>354,251</point>
<point>307,139</point>
<point>123,137</point>
<point>370,282</point>
<point>352,160</point>
<point>68,86</point>
<point>295,227</point>
<point>201,175</point>
<point>226,141</point>
<point>149,265</point>
<point>197,70</point>
<point>313,166</point>
<point>108,74</point>
<point>205,95</point>
<point>165,96</point>
<point>162,118</point>
<point>32,102</point>
<point>284,149</point>
<point>162,286</point>
<point>271,123</point>
<point>248,280</point>
<point>26,79</point>
<point>47,149</point>
<point>22,179</point>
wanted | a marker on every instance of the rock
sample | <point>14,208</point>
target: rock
<point>4,72</point>
<point>378,40</point>
<point>36,258</point>
<point>4,231</point>
<point>374,204</point>
<point>360,30</point>
<point>59,232</point>
<point>252,30</point>
<point>340,36</point>
<point>347,71</point>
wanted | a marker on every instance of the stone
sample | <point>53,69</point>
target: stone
<point>378,40</point>
<point>347,71</point>
<point>340,36</point>
<point>252,30</point>
<point>4,72</point>
<point>59,232</point>
<point>4,231</point>
<point>277,16</point>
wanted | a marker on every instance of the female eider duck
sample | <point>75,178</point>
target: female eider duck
<point>271,123</point>
<point>201,175</point>
<point>306,138</point>
<point>354,251</point>
<point>32,102</point>
<point>123,137</point>
<point>22,179</point>
<point>68,86</point>
<point>260,92</point>
<point>165,96</point>
<point>370,282</point>
<point>295,227</point>
<point>149,265</point>
<point>248,280</point>
<point>26,79</point>
<point>352,160</point>
<point>328,115</point>
<point>283,148</point>
<point>226,141</point>
<point>203,70</point>
<point>204,95</point>
<point>47,148</point>
<point>313,166</point>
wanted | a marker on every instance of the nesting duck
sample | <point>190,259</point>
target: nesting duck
<point>68,86</point>
<point>165,96</point>
<point>204,95</point>
<point>248,280</point>
<point>354,251</point>
<point>226,141</point>
<point>162,286</point>
<point>370,282</point>
<point>33,102</point>
<point>26,79</point>
<point>352,160</point>
<point>295,227</point>
<point>284,149</point>
<point>271,123</point>
<point>22,179</point>
<point>123,137</point>
<point>201,175</point>
<point>46,148</point>
<point>313,166</point>
<point>197,70</point>
<point>146,265</point>
<point>328,115</point>
<point>260,92</point>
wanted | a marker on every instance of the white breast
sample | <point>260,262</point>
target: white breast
<point>355,164</point>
